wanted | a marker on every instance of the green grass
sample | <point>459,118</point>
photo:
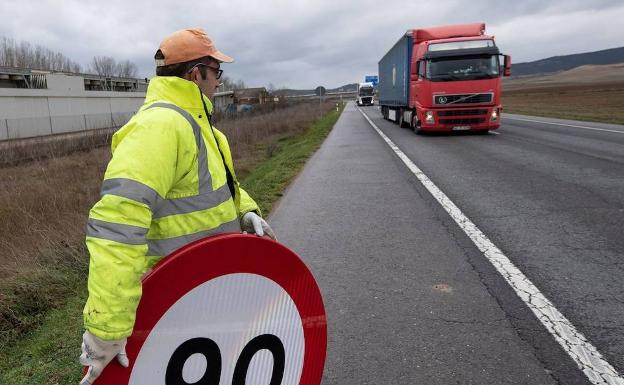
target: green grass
<point>30,294</point>
<point>49,353</point>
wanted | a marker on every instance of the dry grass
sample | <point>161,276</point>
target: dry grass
<point>253,138</point>
<point>16,152</point>
<point>598,102</point>
<point>44,205</point>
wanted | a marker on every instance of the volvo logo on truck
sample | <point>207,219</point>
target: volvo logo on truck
<point>443,79</point>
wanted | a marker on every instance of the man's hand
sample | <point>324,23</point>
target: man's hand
<point>97,353</point>
<point>252,223</point>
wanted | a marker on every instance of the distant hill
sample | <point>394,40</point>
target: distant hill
<point>586,75</point>
<point>566,62</point>
<point>293,92</point>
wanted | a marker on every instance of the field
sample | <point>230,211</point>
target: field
<point>44,205</point>
<point>595,103</point>
<point>589,93</point>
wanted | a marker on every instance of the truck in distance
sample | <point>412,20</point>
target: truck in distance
<point>444,78</point>
<point>365,94</point>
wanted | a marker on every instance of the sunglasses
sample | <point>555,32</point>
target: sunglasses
<point>218,72</point>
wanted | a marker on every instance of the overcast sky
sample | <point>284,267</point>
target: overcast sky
<point>303,44</point>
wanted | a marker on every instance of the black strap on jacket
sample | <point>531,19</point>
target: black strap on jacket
<point>228,173</point>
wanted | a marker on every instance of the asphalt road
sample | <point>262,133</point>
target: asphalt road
<point>411,300</point>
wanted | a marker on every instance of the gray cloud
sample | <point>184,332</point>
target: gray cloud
<point>303,44</point>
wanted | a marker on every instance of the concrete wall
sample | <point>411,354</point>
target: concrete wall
<point>26,113</point>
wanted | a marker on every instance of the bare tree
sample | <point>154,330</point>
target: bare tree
<point>127,69</point>
<point>23,55</point>
<point>108,66</point>
<point>7,52</point>
<point>230,84</point>
<point>104,66</point>
<point>226,84</point>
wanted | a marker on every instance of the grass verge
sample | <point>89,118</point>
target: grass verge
<point>48,354</point>
<point>267,180</point>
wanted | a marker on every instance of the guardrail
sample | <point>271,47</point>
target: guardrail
<point>329,95</point>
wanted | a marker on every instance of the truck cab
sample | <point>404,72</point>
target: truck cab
<point>365,94</point>
<point>456,84</point>
<point>444,79</point>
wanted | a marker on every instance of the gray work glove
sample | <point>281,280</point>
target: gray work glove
<point>252,223</point>
<point>97,353</point>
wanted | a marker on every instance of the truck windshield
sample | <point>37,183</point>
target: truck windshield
<point>366,91</point>
<point>463,68</point>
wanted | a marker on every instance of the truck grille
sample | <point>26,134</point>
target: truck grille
<point>462,112</point>
<point>465,121</point>
<point>442,100</point>
<point>366,100</point>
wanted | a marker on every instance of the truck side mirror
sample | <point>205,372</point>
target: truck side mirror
<point>507,69</point>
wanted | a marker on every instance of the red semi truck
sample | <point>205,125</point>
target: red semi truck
<point>443,79</point>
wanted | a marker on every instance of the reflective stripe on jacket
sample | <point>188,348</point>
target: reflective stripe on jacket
<point>164,187</point>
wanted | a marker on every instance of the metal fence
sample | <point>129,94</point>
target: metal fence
<point>30,127</point>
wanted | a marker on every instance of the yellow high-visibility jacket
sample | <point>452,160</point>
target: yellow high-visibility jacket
<point>164,187</point>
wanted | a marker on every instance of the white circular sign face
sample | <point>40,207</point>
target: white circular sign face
<point>242,322</point>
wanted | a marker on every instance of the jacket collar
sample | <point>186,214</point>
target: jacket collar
<point>178,91</point>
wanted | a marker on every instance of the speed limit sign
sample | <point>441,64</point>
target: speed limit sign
<point>233,309</point>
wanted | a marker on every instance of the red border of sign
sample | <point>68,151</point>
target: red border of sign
<point>210,258</point>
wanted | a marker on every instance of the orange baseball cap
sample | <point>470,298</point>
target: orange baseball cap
<point>186,45</point>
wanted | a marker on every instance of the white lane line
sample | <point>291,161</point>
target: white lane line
<point>494,132</point>
<point>562,124</point>
<point>586,356</point>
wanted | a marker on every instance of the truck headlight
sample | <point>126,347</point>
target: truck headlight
<point>494,116</point>
<point>429,117</point>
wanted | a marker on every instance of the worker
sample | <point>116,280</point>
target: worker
<point>170,181</point>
